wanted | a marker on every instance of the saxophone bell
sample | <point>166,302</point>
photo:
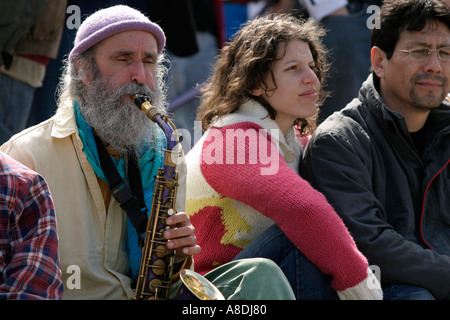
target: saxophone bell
<point>198,287</point>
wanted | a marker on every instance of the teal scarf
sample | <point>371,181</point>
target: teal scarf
<point>150,160</point>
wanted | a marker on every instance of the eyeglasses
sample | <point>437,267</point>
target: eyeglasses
<point>424,54</point>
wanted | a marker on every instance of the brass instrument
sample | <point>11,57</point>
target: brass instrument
<point>157,263</point>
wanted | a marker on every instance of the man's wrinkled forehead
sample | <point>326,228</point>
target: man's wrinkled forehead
<point>130,43</point>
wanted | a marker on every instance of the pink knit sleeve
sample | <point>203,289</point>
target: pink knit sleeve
<point>303,213</point>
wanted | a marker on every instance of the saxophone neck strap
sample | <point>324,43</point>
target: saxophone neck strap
<point>130,198</point>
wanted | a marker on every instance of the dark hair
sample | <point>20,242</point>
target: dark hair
<point>411,15</point>
<point>246,60</point>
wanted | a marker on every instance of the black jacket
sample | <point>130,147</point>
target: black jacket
<point>395,203</point>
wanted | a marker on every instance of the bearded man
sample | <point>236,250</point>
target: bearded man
<point>117,52</point>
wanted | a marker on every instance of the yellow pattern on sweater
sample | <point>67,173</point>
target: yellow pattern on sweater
<point>234,223</point>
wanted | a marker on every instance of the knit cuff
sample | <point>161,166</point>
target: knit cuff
<point>368,289</point>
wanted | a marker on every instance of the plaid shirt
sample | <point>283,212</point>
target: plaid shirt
<point>29,265</point>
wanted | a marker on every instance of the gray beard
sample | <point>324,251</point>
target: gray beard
<point>118,122</point>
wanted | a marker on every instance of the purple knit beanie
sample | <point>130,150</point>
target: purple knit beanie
<point>110,21</point>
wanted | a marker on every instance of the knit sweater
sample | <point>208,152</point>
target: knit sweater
<point>242,177</point>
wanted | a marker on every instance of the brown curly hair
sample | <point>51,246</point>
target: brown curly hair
<point>244,62</point>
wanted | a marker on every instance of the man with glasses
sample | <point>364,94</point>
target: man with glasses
<point>383,161</point>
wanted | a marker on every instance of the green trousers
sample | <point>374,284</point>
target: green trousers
<point>251,279</point>
<point>246,279</point>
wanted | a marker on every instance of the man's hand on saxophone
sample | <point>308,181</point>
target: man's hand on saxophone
<point>181,236</point>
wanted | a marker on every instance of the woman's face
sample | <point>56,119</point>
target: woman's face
<point>297,84</point>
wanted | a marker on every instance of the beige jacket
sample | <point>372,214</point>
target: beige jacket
<point>92,238</point>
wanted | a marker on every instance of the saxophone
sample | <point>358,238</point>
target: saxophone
<point>157,263</point>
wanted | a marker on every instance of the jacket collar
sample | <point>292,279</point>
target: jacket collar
<point>253,111</point>
<point>387,118</point>
<point>64,123</point>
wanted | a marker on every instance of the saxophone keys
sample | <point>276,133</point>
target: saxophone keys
<point>171,212</point>
<point>161,251</point>
<point>158,267</point>
<point>154,284</point>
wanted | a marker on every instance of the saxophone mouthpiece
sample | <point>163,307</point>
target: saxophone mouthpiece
<point>139,99</point>
<point>143,102</point>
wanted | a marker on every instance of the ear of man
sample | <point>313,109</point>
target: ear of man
<point>378,58</point>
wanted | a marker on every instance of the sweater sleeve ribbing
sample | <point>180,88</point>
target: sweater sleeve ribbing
<point>302,212</point>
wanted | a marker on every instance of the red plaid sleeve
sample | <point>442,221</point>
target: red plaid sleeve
<point>29,265</point>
